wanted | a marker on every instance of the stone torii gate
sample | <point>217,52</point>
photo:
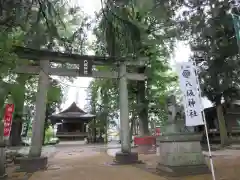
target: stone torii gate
<point>43,65</point>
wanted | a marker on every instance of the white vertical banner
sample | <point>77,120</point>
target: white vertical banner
<point>191,97</point>
<point>198,84</point>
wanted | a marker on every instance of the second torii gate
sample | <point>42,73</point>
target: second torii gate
<point>43,65</point>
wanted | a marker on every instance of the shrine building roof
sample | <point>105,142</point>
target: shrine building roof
<point>73,111</point>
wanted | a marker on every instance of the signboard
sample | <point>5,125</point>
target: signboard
<point>191,96</point>
<point>7,119</point>
<point>86,68</point>
<point>25,127</point>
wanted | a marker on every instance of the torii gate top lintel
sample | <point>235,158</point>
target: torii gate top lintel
<point>85,64</point>
<point>60,57</point>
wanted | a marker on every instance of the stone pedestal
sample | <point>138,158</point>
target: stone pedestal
<point>146,149</point>
<point>180,154</point>
<point>126,158</point>
<point>32,164</point>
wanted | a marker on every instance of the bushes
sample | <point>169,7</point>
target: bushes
<point>49,135</point>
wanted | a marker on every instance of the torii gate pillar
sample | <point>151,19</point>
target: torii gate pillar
<point>39,120</point>
<point>35,161</point>
<point>125,156</point>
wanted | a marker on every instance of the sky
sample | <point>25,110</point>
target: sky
<point>78,94</point>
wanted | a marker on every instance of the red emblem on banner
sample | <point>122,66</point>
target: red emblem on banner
<point>7,119</point>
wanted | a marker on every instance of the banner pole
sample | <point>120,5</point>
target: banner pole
<point>205,126</point>
<point>209,148</point>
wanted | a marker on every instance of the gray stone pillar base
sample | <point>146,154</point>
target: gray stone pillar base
<point>177,171</point>
<point>32,164</point>
<point>126,158</point>
<point>4,177</point>
<point>180,154</point>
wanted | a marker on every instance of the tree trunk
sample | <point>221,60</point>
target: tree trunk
<point>44,132</point>
<point>2,158</point>
<point>134,126</point>
<point>153,126</point>
<point>94,131</point>
<point>43,139</point>
<point>131,128</point>
<point>143,106</point>
<point>222,125</point>
<point>3,93</point>
<point>106,131</point>
<point>143,109</point>
<point>137,126</point>
<point>15,136</point>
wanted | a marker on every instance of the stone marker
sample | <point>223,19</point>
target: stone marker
<point>179,152</point>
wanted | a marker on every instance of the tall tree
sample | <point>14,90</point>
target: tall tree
<point>209,29</point>
<point>130,29</point>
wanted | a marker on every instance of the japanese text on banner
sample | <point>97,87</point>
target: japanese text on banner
<point>191,97</point>
<point>8,114</point>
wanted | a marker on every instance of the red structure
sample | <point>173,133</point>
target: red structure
<point>157,132</point>
<point>8,114</point>
<point>146,144</point>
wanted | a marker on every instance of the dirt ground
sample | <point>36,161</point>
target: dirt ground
<point>96,167</point>
<point>92,165</point>
<point>99,166</point>
<point>226,167</point>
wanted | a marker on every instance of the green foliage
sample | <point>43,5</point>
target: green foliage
<point>29,133</point>
<point>54,93</point>
<point>49,133</point>
<point>49,24</point>
<point>7,41</point>
<point>131,29</point>
<point>16,14</point>
<point>104,108</point>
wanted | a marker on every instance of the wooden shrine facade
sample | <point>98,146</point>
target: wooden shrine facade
<point>231,114</point>
<point>72,123</point>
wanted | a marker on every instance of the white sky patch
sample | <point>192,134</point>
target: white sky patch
<point>77,93</point>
